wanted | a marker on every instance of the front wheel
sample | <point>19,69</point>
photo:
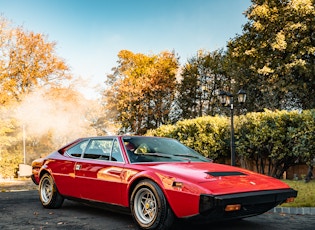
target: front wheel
<point>48,193</point>
<point>149,208</point>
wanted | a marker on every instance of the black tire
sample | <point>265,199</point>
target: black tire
<point>149,207</point>
<point>48,192</point>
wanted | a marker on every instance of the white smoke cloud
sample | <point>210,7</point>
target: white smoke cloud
<point>66,119</point>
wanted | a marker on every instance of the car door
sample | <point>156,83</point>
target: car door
<point>99,172</point>
<point>64,169</point>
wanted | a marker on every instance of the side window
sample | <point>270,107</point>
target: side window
<point>99,149</point>
<point>116,153</point>
<point>103,149</point>
<point>77,150</point>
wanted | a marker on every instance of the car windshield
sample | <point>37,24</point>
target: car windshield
<point>157,149</point>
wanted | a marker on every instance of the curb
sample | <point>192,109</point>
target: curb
<point>294,211</point>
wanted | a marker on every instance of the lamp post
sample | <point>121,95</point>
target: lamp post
<point>226,99</point>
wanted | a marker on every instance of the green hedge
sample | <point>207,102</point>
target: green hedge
<point>268,142</point>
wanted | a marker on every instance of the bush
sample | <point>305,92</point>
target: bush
<point>268,142</point>
<point>9,164</point>
<point>207,135</point>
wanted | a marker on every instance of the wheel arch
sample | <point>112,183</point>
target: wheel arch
<point>49,194</point>
<point>151,178</point>
<point>46,171</point>
<point>183,201</point>
<point>43,172</point>
<point>134,183</point>
<point>149,207</point>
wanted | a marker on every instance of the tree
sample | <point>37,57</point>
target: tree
<point>27,60</point>
<point>141,90</point>
<point>9,160</point>
<point>275,55</point>
<point>37,93</point>
<point>202,78</point>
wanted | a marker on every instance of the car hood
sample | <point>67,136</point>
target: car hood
<point>218,178</point>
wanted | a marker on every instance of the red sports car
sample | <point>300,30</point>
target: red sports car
<point>156,179</point>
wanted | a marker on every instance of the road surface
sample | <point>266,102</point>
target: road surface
<point>23,210</point>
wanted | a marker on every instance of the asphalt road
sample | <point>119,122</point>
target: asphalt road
<point>22,210</point>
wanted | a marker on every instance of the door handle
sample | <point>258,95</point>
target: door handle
<point>77,167</point>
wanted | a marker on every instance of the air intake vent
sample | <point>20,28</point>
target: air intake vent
<point>216,174</point>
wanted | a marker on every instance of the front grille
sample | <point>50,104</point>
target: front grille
<point>218,213</point>
<point>249,210</point>
<point>212,208</point>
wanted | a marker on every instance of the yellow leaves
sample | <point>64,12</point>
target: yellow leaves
<point>261,11</point>
<point>280,43</point>
<point>145,85</point>
<point>251,52</point>
<point>265,70</point>
<point>258,26</point>
<point>303,6</point>
<point>311,50</point>
<point>125,54</point>
<point>295,63</point>
<point>27,60</point>
<point>297,26</point>
<point>143,72</point>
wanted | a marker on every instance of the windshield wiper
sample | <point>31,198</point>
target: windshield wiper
<point>186,155</point>
<point>154,155</point>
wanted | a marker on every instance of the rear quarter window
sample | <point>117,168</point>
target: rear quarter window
<point>77,150</point>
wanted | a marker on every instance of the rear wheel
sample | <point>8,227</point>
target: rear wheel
<point>48,192</point>
<point>149,207</point>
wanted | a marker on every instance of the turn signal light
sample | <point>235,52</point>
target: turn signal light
<point>289,200</point>
<point>177,184</point>
<point>232,207</point>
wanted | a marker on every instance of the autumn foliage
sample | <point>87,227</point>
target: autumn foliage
<point>142,90</point>
<point>37,97</point>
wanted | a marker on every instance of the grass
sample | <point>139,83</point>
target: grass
<point>306,193</point>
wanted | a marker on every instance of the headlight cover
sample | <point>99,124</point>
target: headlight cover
<point>206,203</point>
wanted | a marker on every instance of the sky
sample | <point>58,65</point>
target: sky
<point>90,33</point>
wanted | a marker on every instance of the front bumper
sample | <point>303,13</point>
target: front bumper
<point>35,175</point>
<point>213,208</point>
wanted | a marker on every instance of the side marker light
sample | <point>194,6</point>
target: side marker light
<point>177,184</point>
<point>289,200</point>
<point>232,207</point>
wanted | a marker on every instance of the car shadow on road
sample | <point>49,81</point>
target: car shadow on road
<point>23,210</point>
<point>126,219</point>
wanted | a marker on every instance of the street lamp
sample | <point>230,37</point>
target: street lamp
<point>226,99</point>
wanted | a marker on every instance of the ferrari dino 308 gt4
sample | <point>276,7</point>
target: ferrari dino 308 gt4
<point>155,179</point>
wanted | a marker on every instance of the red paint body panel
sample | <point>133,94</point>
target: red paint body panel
<point>195,173</point>
<point>182,182</point>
